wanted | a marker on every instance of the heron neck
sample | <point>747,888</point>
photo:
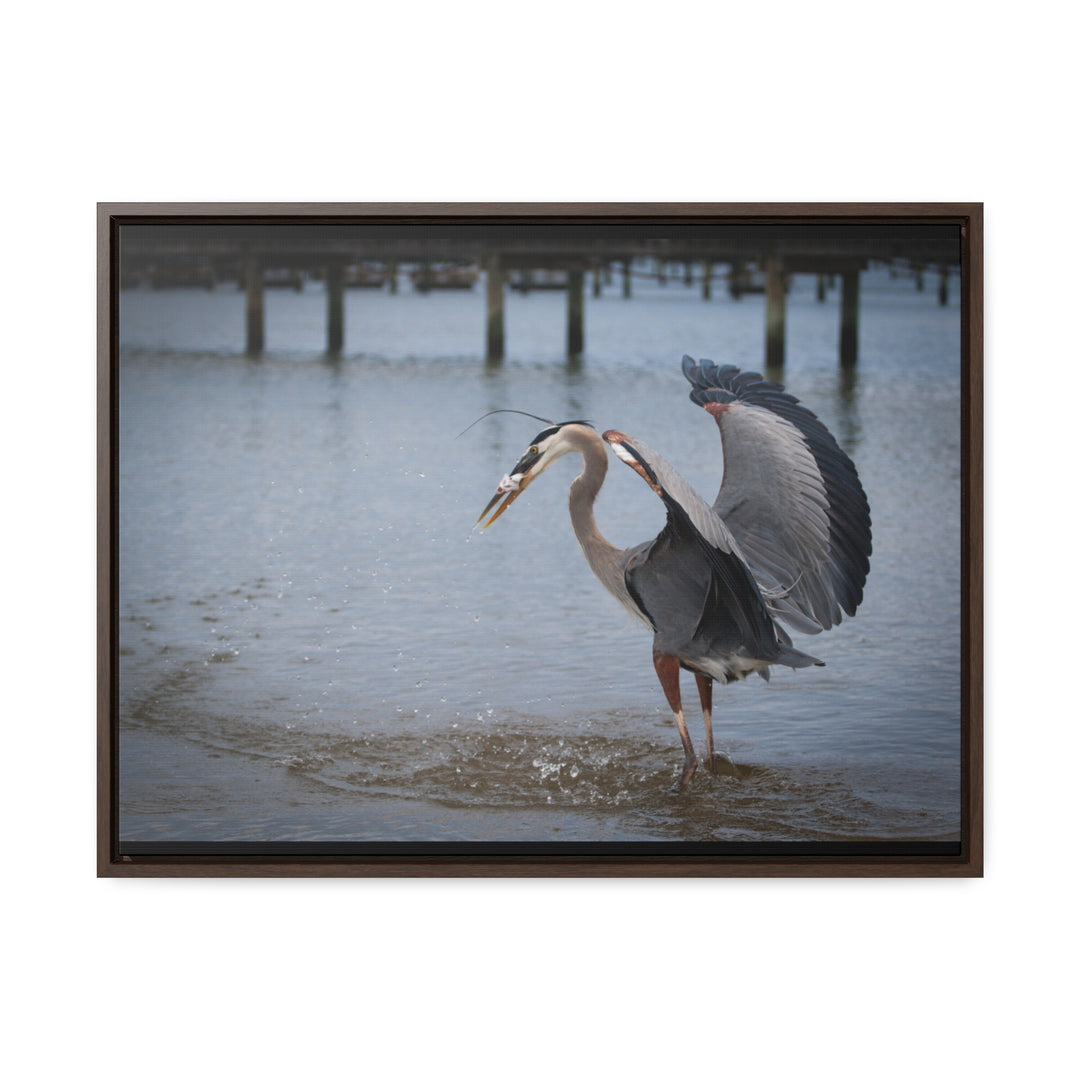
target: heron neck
<point>599,552</point>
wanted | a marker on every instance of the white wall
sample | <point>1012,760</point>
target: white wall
<point>922,101</point>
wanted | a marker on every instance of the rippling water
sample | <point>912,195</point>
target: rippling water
<point>315,645</point>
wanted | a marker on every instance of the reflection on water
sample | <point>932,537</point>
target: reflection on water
<point>315,645</point>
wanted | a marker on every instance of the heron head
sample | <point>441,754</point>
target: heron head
<point>547,447</point>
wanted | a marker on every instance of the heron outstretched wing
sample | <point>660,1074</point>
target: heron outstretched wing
<point>691,581</point>
<point>790,498</point>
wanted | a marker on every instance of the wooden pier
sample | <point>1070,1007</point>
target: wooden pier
<point>750,257</point>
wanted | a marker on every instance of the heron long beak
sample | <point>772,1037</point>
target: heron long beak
<point>511,487</point>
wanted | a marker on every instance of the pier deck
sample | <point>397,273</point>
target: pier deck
<point>252,250</point>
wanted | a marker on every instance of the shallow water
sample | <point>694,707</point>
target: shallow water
<point>315,644</point>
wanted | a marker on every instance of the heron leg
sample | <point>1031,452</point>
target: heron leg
<point>705,692</point>
<point>704,687</point>
<point>667,669</point>
<point>719,764</point>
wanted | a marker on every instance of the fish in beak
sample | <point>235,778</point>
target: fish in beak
<point>513,484</point>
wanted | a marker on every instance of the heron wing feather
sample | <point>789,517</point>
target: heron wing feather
<point>790,498</point>
<point>692,580</point>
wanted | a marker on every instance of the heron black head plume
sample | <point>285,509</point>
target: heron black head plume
<point>543,420</point>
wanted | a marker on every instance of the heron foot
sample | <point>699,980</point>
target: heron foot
<point>720,764</point>
<point>688,770</point>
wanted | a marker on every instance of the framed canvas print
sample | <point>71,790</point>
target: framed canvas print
<point>540,539</point>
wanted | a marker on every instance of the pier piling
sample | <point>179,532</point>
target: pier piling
<point>255,335</point>
<point>943,286</point>
<point>849,317</point>
<point>496,347</point>
<point>335,308</point>
<point>575,313</point>
<point>775,310</point>
<point>736,278</point>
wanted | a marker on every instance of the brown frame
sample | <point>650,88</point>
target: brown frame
<point>969,863</point>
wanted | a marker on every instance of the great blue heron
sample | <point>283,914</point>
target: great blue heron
<point>788,537</point>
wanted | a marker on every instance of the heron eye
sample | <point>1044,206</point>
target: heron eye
<point>534,450</point>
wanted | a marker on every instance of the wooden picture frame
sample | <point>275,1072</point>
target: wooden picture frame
<point>437,228</point>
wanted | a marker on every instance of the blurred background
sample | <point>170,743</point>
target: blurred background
<point>316,645</point>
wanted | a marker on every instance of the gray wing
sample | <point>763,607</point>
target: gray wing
<point>790,498</point>
<point>691,581</point>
